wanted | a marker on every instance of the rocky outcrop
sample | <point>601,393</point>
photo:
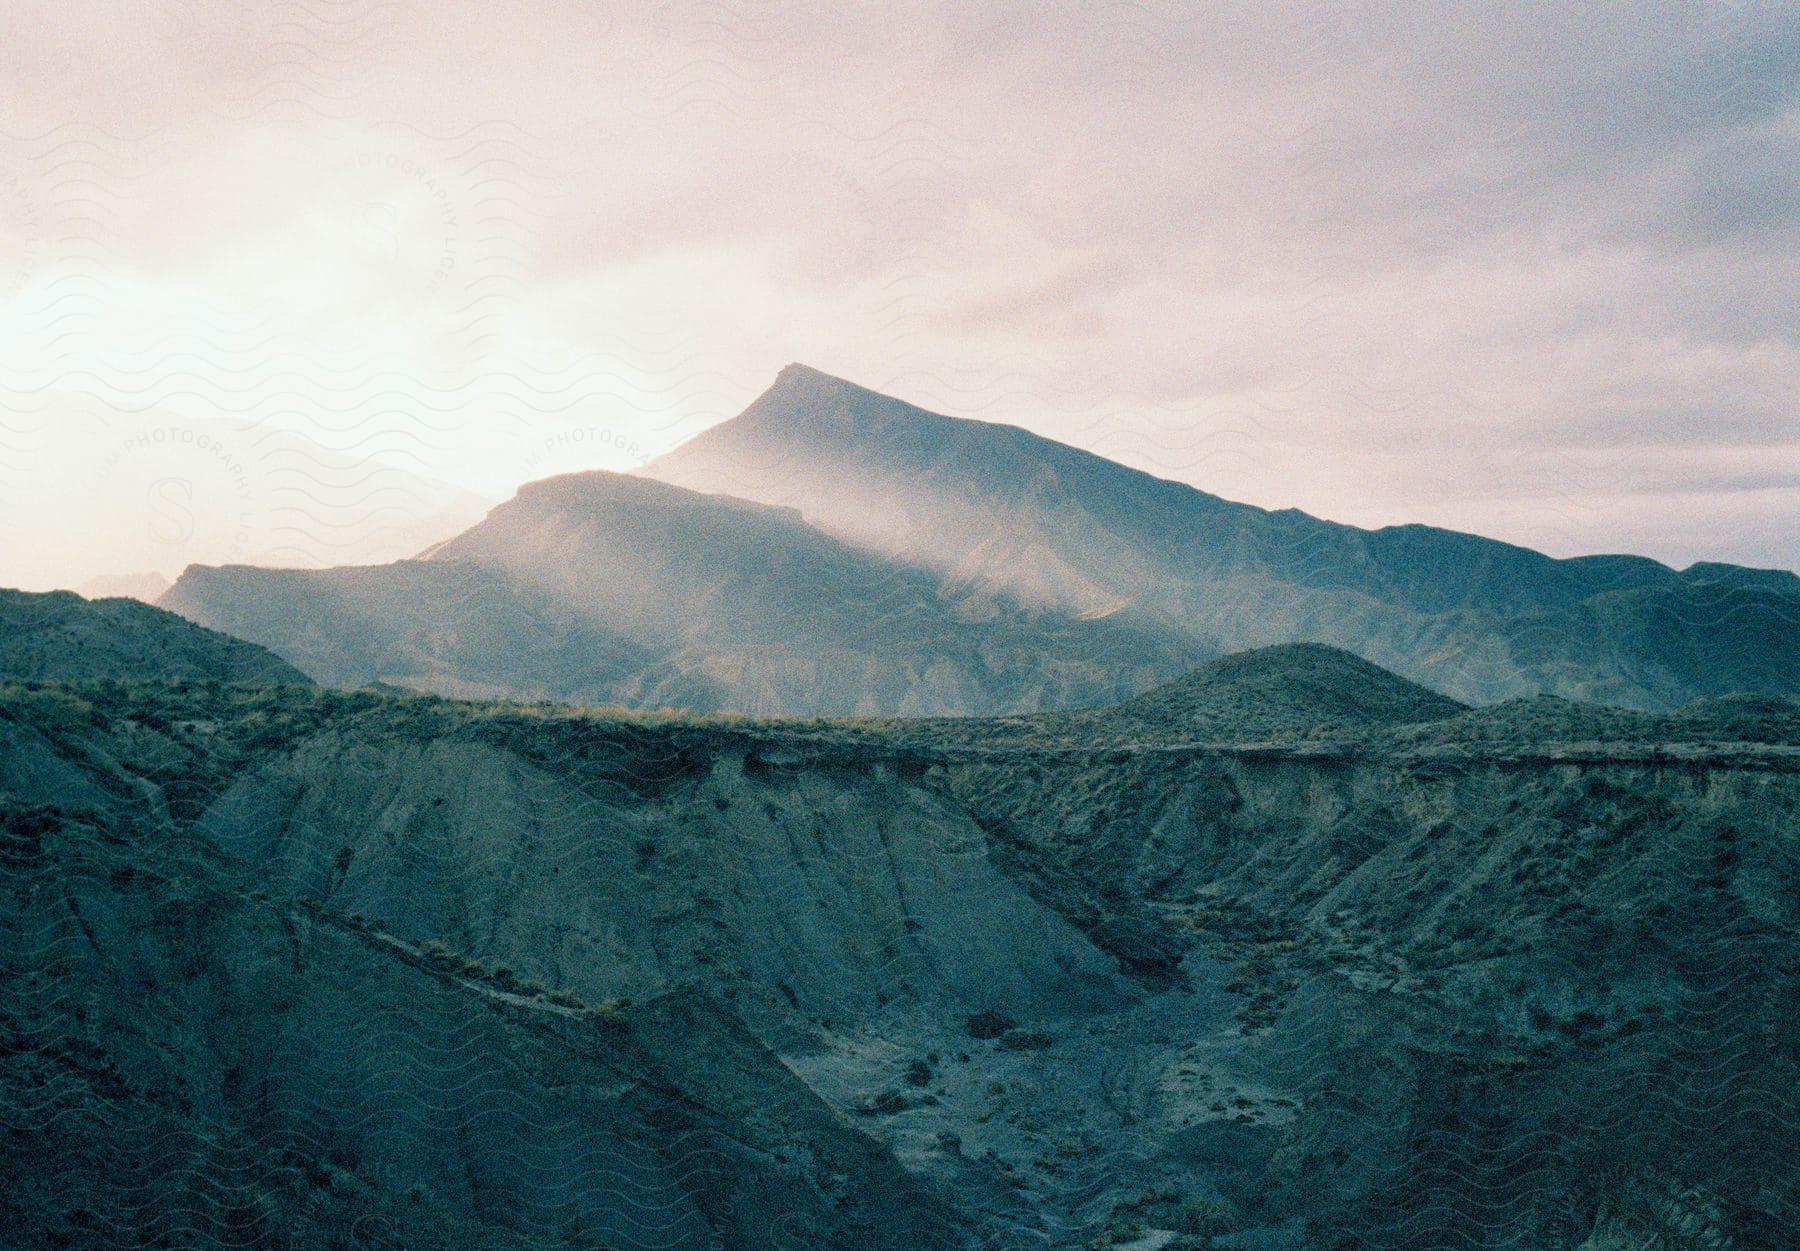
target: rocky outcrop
<point>842,895</point>
<point>194,1060</point>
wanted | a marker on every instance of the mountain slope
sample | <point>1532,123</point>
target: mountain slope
<point>145,586</point>
<point>454,628</point>
<point>191,1058</point>
<point>995,507</point>
<point>1291,690</point>
<point>59,636</point>
<point>606,589</point>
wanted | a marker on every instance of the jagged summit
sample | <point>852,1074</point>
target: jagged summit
<point>798,376</point>
<point>798,373</point>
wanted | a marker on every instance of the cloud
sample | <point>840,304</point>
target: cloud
<point>1529,272</point>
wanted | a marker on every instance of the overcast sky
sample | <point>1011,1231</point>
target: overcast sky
<point>308,281</point>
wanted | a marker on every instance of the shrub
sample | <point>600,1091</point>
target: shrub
<point>885,1104</point>
<point>48,708</point>
<point>611,1010</point>
<point>989,1024</point>
<point>438,954</point>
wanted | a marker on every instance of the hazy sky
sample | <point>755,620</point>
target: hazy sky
<point>312,281</point>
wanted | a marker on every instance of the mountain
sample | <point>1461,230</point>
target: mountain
<point>452,628</point>
<point>303,967</point>
<point>833,551</point>
<point>606,589</point>
<point>999,510</point>
<point>59,636</point>
<point>148,587</point>
<point>1291,690</point>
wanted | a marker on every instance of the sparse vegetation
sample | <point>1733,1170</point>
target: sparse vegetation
<point>988,1024</point>
<point>1492,939</point>
<point>1024,1040</point>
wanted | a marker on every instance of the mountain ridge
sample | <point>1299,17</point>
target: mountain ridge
<point>835,551</point>
<point>610,589</point>
<point>797,381</point>
<point>999,508</point>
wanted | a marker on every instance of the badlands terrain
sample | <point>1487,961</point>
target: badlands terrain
<point>1289,953</point>
<point>864,828</point>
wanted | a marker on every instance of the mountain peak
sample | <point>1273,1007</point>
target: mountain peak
<point>798,371</point>
<point>797,375</point>
<point>809,417</point>
<point>808,397</point>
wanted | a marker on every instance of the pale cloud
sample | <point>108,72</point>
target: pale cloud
<point>1527,272</point>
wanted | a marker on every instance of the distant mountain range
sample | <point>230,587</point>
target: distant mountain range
<point>606,589</point>
<point>832,550</point>
<point>148,587</point>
